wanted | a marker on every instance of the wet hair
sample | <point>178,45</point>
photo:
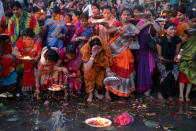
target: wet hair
<point>16,4</point>
<point>70,48</point>
<point>107,7</point>
<point>52,55</point>
<point>95,4</point>
<point>125,9</point>
<point>168,24</point>
<point>95,41</point>
<point>182,9</point>
<point>57,10</point>
<point>35,9</point>
<point>84,16</point>
<point>28,32</point>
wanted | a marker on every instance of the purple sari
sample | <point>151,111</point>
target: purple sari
<point>145,62</point>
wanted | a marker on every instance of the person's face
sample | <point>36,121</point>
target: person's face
<point>74,18</point>
<point>67,19</point>
<point>125,16</point>
<point>106,14</point>
<point>56,16</point>
<point>37,15</point>
<point>180,16</point>
<point>17,11</point>
<point>27,40</point>
<point>95,10</point>
<point>84,22</point>
<point>171,31</point>
<point>98,48</point>
<point>135,3</point>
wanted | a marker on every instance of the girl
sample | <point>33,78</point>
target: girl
<point>168,49</point>
<point>27,45</point>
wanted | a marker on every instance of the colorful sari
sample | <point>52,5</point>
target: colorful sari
<point>96,75</point>
<point>48,75</point>
<point>188,62</point>
<point>53,31</point>
<point>30,70</point>
<point>123,63</point>
<point>73,65</point>
<point>17,25</point>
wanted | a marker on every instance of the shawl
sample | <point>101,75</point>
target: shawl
<point>17,25</point>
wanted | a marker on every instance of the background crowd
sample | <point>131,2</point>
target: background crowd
<point>78,43</point>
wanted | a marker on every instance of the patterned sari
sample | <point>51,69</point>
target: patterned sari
<point>96,75</point>
<point>48,75</point>
<point>53,31</point>
<point>123,63</point>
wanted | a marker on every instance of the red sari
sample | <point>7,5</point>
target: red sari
<point>28,82</point>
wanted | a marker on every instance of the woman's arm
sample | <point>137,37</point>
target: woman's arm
<point>156,27</point>
<point>141,27</point>
<point>38,77</point>
<point>178,46</point>
<point>88,65</point>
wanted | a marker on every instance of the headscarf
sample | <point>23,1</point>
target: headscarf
<point>103,59</point>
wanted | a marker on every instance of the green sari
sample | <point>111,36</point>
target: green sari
<point>188,62</point>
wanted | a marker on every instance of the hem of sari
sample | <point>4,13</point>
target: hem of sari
<point>119,93</point>
<point>147,87</point>
<point>123,72</point>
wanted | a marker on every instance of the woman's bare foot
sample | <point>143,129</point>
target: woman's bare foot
<point>97,95</point>
<point>160,97</point>
<point>90,98</point>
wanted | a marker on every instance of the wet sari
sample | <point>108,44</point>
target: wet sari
<point>123,63</point>
<point>53,31</point>
<point>96,75</point>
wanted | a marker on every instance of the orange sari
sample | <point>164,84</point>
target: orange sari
<point>96,75</point>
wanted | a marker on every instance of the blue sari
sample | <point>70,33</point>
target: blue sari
<point>53,31</point>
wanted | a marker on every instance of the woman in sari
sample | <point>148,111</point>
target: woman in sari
<point>168,49</point>
<point>76,19</point>
<point>144,59</point>
<point>96,57</point>
<point>68,57</point>
<point>187,63</point>
<point>47,74</point>
<point>123,60</point>
<point>55,30</point>
<point>28,46</point>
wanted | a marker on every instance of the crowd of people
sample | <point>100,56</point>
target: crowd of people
<point>76,44</point>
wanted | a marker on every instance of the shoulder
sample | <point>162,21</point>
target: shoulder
<point>177,39</point>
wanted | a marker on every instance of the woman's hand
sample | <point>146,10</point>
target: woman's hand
<point>176,59</point>
<point>94,51</point>
<point>50,23</point>
<point>65,70</point>
<point>162,59</point>
<point>82,38</point>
